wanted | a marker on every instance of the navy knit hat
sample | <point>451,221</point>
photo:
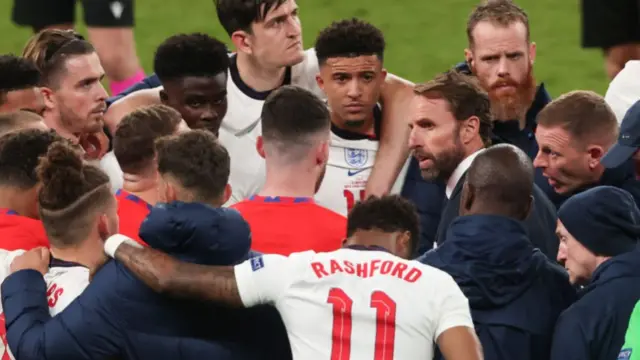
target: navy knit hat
<point>604,219</point>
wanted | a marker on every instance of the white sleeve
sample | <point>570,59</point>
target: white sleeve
<point>624,89</point>
<point>263,279</point>
<point>454,307</point>
<point>6,258</point>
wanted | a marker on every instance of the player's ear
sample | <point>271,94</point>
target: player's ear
<point>49,98</point>
<point>468,57</point>
<point>403,245</point>
<point>322,155</point>
<point>383,75</point>
<point>532,52</point>
<point>164,98</point>
<point>466,199</point>
<point>242,41</point>
<point>320,82</point>
<point>170,193</point>
<point>260,146</point>
<point>227,193</point>
<point>103,227</point>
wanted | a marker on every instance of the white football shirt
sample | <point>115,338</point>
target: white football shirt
<point>355,304</point>
<point>65,281</point>
<point>348,169</point>
<point>244,110</point>
<point>624,89</point>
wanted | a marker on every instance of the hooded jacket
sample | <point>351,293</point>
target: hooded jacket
<point>594,327</point>
<point>515,293</point>
<point>118,316</point>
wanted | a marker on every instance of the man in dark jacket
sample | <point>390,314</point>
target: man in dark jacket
<point>451,124</point>
<point>515,293</point>
<point>119,316</point>
<point>599,231</point>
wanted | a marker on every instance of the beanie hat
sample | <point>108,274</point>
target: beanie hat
<point>604,219</point>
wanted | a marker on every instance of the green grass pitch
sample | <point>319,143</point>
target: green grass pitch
<point>424,36</point>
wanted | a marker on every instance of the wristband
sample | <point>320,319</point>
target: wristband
<point>114,241</point>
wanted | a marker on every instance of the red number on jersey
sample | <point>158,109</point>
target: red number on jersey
<point>341,333</point>
<point>53,293</point>
<point>5,344</point>
<point>351,198</point>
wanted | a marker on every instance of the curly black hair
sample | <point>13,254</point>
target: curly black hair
<point>197,160</point>
<point>17,73</point>
<point>20,153</point>
<point>389,213</point>
<point>190,55</point>
<point>349,38</point>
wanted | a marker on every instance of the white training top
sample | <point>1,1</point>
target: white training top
<point>355,304</point>
<point>243,121</point>
<point>348,169</point>
<point>65,281</point>
<point>624,89</point>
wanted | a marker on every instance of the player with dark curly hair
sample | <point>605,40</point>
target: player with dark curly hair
<point>350,55</point>
<point>19,81</point>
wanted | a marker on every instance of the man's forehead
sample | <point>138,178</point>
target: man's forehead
<point>279,9</point>
<point>84,65</point>
<point>355,63</point>
<point>487,33</point>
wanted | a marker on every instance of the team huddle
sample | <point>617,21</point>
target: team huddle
<point>280,203</point>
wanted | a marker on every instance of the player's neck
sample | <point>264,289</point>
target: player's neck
<point>22,202</point>
<point>364,127</point>
<point>258,77</point>
<point>85,254</point>
<point>289,182</point>
<point>141,186</point>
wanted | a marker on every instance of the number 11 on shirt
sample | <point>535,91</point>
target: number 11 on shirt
<point>385,324</point>
<point>351,197</point>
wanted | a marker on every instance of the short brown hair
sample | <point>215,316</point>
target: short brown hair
<point>198,161</point>
<point>497,12</point>
<point>135,136</point>
<point>49,50</point>
<point>584,115</point>
<point>16,120</point>
<point>465,96</point>
<point>291,117</point>
<point>72,194</point>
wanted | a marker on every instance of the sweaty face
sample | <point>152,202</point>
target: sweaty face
<point>502,59</point>
<point>80,97</point>
<point>564,163</point>
<point>202,101</point>
<point>579,262</point>
<point>352,86</point>
<point>277,41</point>
<point>30,99</point>
<point>435,138</point>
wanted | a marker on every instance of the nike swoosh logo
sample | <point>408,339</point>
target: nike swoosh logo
<point>356,172</point>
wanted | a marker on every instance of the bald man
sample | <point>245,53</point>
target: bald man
<point>515,292</point>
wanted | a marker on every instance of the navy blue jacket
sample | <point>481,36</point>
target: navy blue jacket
<point>149,82</point>
<point>117,315</point>
<point>594,327</point>
<point>515,293</point>
<point>540,224</point>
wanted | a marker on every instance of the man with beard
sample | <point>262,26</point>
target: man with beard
<point>295,144</point>
<point>575,131</point>
<point>450,121</point>
<point>500,55</point>
<point>71,83</point>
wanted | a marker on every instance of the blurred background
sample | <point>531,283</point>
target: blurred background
<point>423,37</point>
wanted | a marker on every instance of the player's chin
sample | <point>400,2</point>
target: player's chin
<point>294,56</point>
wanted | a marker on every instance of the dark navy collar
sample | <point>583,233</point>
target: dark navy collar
<point>53,262</point>
<point>133,198</point>
<point>350,135</point>
<point>281,199</point>
<point>367,248</point>
<point>246,89</point>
